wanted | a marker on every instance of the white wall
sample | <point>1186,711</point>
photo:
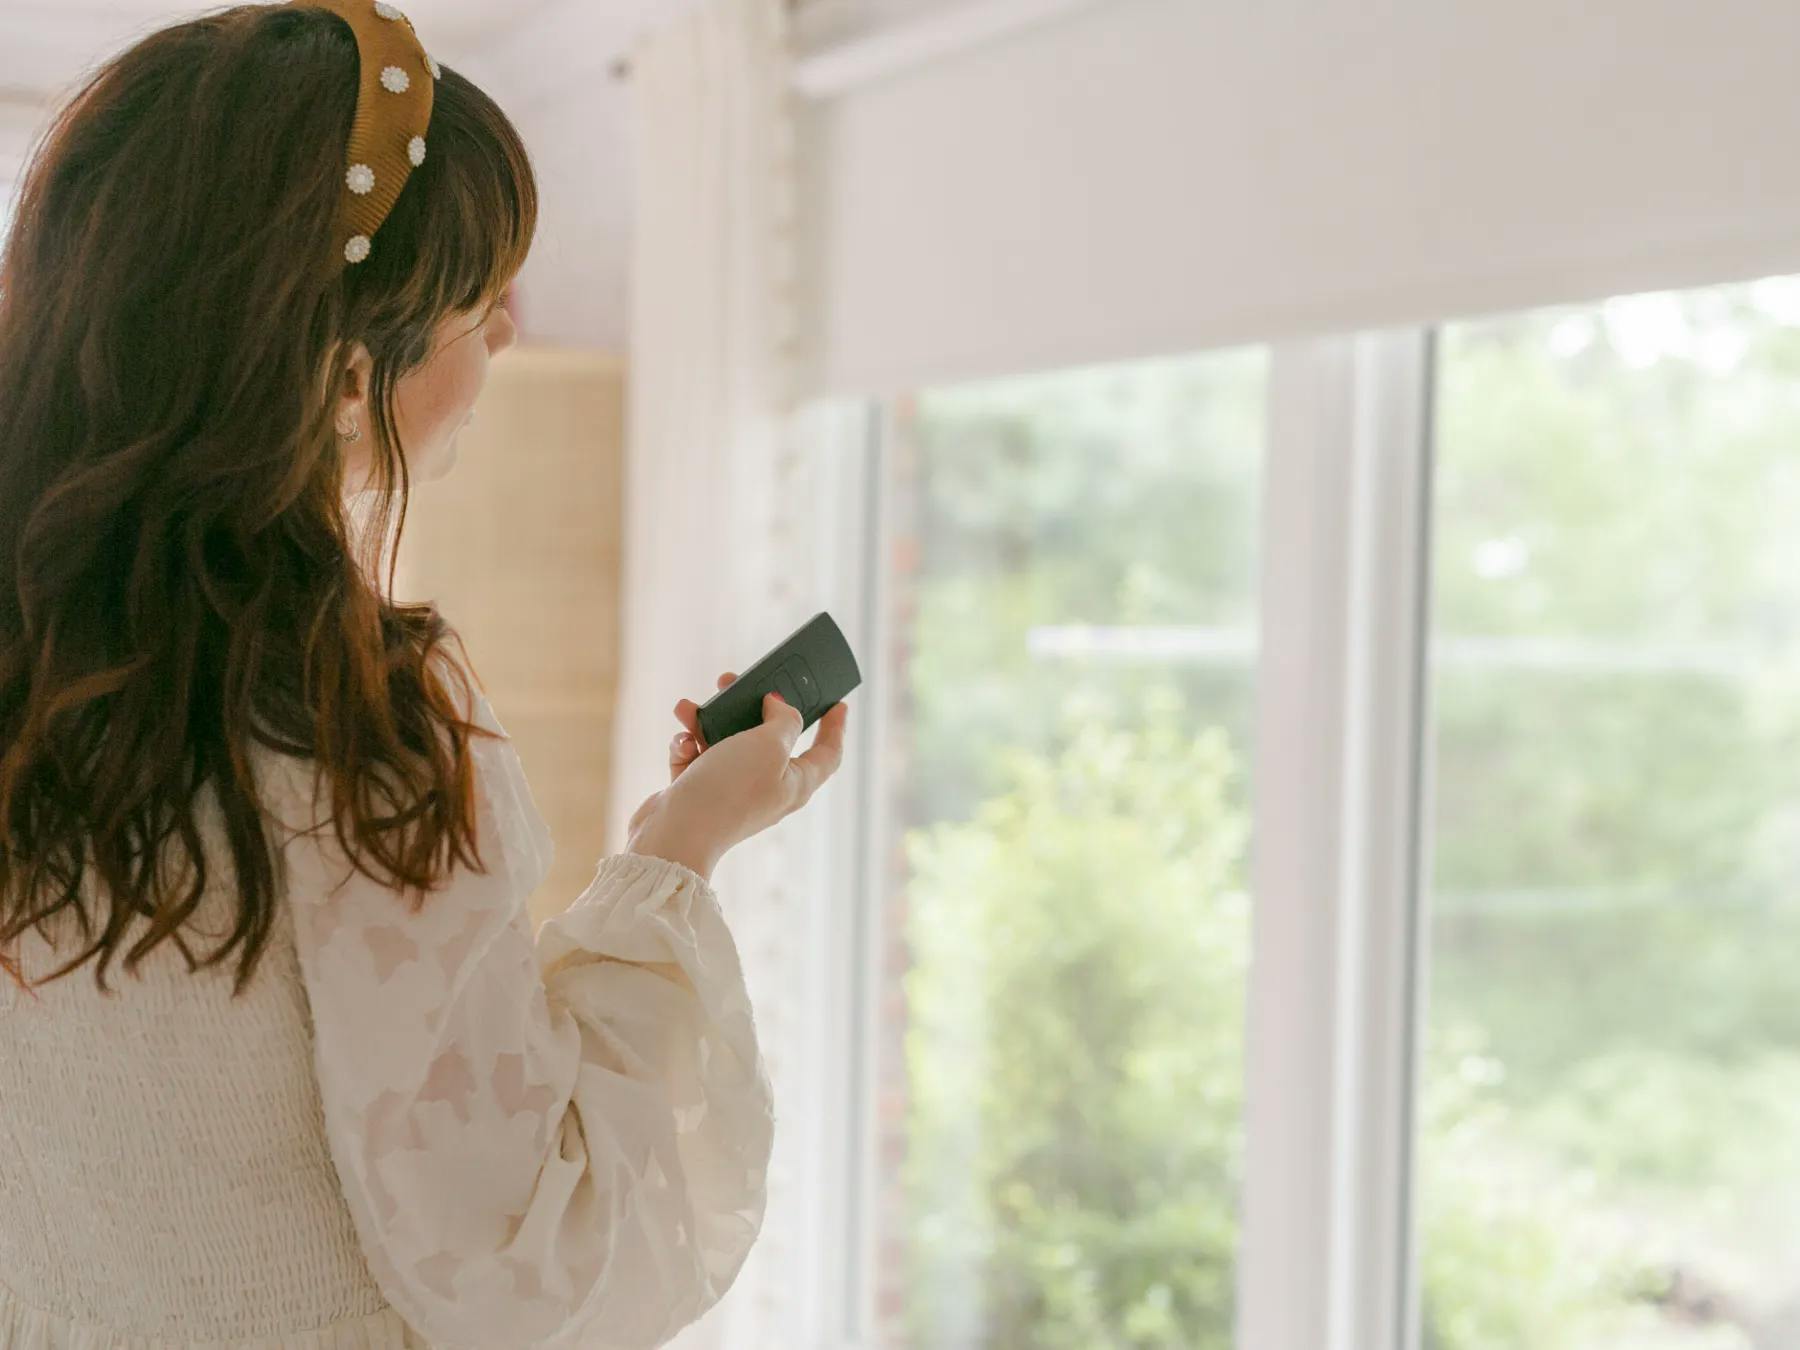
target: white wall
<point>20,121</point>
<point>574,289</point>
<point>553,76</point>
<point>1161,175</point>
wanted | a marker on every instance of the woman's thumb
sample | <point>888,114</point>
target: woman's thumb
<point>783,716</point>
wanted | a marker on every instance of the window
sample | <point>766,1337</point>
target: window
<point>1502,623</point>
<point>1610,1077</point>
<point>1065,928</point>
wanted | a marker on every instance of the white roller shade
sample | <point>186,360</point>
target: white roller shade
<point>1149,176</point>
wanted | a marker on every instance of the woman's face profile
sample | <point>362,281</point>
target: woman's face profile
<point>431,403</point>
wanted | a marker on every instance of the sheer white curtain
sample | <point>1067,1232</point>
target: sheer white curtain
<point>716,556</point>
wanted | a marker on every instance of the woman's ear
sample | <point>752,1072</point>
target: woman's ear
<point>353,393</point>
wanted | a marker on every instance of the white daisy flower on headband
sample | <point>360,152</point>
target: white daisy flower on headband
<point>357,249</point>
<point>415,150</point>
<point>388,11</point>
<point>394,80</point>
<point>361,179</point>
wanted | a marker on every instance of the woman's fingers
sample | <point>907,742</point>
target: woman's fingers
<point>683,751</point>
<point>807,772</point>
<point>687,712</point>
<point>822,758</point>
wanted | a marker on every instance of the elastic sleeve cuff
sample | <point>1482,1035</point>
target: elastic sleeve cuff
<point>634,877</point>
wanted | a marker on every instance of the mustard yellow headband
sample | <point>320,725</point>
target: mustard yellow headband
<point>393,113</point>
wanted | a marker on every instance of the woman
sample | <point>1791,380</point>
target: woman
<point>344,1097</point>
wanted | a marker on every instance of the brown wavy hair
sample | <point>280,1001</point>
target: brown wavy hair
<point>181,578</point>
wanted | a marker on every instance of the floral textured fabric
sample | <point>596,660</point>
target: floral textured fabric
<point>551,1139</point>
<point>564,1135</point>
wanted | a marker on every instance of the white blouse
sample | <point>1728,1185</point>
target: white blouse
<point>557,1140</point>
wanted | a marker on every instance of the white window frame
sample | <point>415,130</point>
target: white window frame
<point>1339,854</point>
<point>1339,849</point>
<point>827,1091</point>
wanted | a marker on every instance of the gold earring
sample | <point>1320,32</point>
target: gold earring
<point>353,435</point>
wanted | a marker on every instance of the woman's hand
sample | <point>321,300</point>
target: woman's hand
<point>684,749</point>
<point>721,795</point>
<point>686,746</point>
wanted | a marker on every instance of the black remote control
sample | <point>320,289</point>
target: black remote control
<point>812,668</point>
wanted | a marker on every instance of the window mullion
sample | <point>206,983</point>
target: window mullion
<point>1324,1253</point>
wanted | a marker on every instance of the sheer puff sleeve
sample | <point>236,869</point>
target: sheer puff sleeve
<point>559,1139</point>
